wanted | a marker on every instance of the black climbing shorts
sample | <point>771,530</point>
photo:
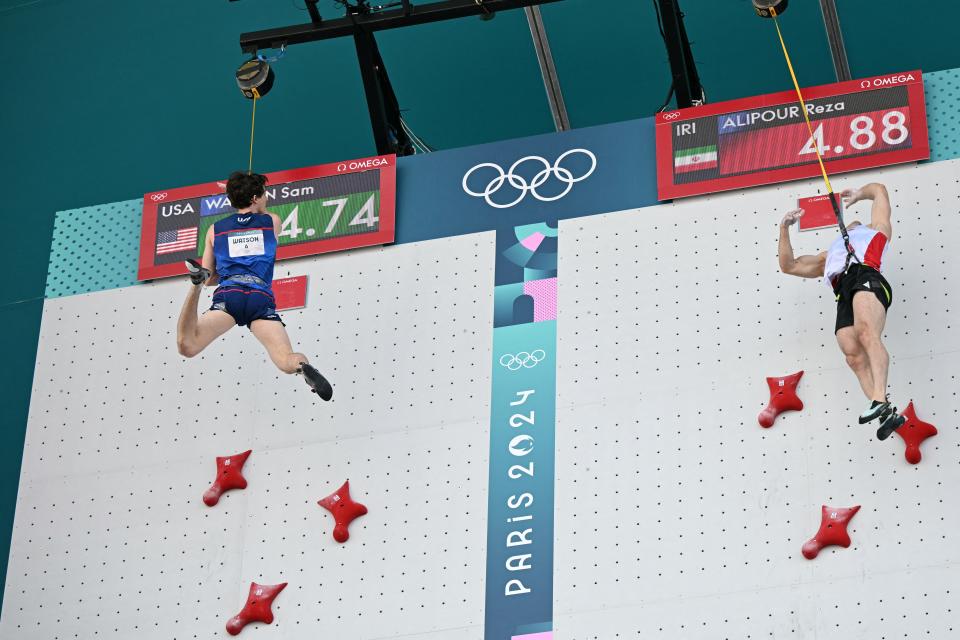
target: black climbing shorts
<point>859,278</point>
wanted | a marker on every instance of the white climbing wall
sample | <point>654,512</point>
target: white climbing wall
<point>111,538</point>
<point>677,515</point>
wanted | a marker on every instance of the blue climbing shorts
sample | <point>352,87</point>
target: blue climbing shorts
<point>245,304</point>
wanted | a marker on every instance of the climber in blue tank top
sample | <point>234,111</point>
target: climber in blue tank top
<point>239,254</point>
<point>245,248</point>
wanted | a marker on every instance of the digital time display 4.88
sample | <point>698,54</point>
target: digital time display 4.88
<point>856,125</point>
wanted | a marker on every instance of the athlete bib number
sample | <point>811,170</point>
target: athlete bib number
<point>245,243</point>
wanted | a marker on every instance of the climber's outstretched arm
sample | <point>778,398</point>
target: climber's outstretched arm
<point>881,210</point>
<point>802,266</point>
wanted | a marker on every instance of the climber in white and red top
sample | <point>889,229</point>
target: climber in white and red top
<point>852,267</point>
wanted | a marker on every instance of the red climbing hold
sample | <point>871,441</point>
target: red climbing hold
<point>344,511</point>
<point>229,476</point>
<point>783,397</point>
<point>833,530</point>
<point>914,431</point>
<point>258,608</point>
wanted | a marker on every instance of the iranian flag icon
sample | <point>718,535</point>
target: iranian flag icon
<point>696,159</point>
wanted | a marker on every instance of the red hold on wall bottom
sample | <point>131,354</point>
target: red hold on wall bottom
<point>783,397</point>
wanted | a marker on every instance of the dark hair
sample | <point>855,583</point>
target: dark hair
<point>243,187</point>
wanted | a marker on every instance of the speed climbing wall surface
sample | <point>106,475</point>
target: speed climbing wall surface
<point>675,514</point>
<point>113,539</point>
<point>678,516</point>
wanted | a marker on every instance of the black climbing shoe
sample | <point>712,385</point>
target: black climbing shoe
<point>877,410</point>
<point>893,422</point>
<point>318,384</point>
<point>198,275</point>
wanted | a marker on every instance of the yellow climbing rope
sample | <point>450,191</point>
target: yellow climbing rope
<point>851,255</point>
<point>253,125</point>
<point>803,104</point>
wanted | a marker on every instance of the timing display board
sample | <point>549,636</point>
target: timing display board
<point>325,208</point>
<point>859,124</point>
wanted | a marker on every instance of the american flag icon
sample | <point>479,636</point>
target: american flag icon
<point>179,240</point>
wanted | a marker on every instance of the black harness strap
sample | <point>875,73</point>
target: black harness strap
<point>851,254</point>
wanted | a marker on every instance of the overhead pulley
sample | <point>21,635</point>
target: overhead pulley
<point>770,8</point>
<point>255,78</point>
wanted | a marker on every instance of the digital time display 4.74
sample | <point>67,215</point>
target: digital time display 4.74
<point>856,125</point>
<point>324,208</point>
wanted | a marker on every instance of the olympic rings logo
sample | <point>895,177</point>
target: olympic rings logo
<point>673,115</point>
<point>523,359</point>
<point>520,183</point>
<point>157,197</point>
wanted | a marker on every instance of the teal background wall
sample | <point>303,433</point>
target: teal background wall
<point>105,100</point>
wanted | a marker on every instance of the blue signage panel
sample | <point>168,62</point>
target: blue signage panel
<point>519,585</point>
<point>538,179</point>
<point>521,189</point>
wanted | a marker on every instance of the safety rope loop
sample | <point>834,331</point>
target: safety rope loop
<point>272,59</point>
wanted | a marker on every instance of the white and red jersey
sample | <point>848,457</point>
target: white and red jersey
<point>868,244</point>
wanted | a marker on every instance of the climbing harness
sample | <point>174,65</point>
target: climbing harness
<point>771,9</point>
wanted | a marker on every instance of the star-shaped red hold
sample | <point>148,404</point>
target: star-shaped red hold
<point>259,607</point>
<point>783,397</point>
<point>833,530</point>
<point>344,511</point>
<point>914,431</point>
<point>229,476</point>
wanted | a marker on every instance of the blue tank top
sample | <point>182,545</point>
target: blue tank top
<point>244,245</point>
